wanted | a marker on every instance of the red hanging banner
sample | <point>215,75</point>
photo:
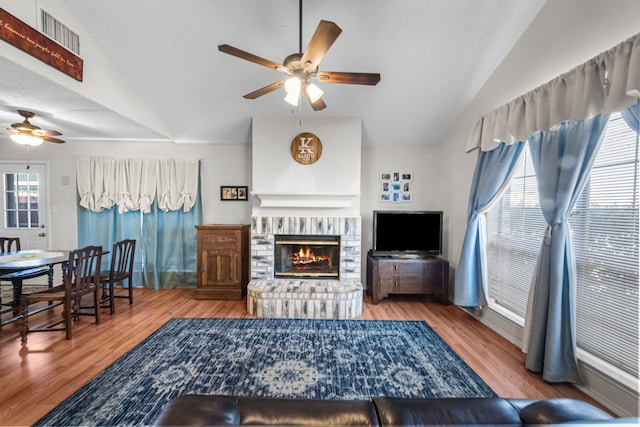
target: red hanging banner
<point>36,44</point>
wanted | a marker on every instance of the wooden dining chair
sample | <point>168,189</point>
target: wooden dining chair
<point>121,269</point>
<point>9,244</point>
<point>80,278</point>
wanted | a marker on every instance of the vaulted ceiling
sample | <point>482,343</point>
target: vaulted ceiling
<point>433,57</point>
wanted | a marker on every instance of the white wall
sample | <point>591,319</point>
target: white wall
<point>565,34</point>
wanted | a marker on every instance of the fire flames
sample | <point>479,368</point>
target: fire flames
<point>306,256</point>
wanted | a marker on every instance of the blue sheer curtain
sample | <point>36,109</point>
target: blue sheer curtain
<point>108,226</point>
<point>166,242</point>
<point>169,242</point>
<point>562,160</point>
<point>492,173</point>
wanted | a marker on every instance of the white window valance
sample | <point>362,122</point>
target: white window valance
<point>134,184</point>
<point>606,84</point>
<point>177,184</point>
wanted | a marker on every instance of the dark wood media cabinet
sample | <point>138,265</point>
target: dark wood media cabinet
<point>405,275</point>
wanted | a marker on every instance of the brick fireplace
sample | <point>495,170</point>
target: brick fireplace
<point>315,202</point>
<point>305,297</point>
<point>265,228</point>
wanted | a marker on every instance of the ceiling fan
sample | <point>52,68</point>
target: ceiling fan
<point>27,134</point>
<point>300,68</point>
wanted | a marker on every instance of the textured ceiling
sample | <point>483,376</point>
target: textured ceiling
<point>433,57</point>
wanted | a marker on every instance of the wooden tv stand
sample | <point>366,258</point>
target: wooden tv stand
<point>406,275</point>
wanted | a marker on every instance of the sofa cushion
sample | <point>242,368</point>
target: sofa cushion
<point>200,410</point>
<point>306,412</point>
<point>446,411</point>
<point>561,410</point>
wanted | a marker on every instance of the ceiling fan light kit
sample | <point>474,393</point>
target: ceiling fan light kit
<point>28,140</point>
<point>293,86</point>
<point>25,133</point>
<point>302,67</point>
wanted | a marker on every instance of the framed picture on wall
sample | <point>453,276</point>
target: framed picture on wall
<point>396,187</point>
<point>233,192</point>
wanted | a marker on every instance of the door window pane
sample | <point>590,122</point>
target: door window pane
<point>22,200</point>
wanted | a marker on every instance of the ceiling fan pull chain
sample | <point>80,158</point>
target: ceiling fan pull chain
<point>28,158</point>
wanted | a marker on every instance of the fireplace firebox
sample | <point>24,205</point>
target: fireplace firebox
<point>307,256</point>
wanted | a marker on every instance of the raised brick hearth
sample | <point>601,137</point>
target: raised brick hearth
<point>305,297</point>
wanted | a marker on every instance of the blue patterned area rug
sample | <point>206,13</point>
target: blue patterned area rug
<point>323,359</point>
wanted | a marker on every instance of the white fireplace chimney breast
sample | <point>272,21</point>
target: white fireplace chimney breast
<point>281,183</point>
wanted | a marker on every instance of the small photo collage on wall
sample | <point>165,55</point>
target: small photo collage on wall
<point>395,187</point>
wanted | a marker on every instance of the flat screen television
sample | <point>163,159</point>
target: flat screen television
<point>407,233</point>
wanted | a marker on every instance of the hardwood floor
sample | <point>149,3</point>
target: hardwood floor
<point>36,377</point>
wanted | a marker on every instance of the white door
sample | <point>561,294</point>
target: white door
<point>24,203</point>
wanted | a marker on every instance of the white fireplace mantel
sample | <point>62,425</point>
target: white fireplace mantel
<point>297,200</point>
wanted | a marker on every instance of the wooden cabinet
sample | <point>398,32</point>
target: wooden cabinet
<point>223,261</point>
<point>394,275</point>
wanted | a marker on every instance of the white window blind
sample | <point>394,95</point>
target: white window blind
<point>605,237</point>
<point>515,228</point>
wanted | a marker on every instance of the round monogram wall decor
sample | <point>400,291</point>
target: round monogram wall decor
<point>306,148</point>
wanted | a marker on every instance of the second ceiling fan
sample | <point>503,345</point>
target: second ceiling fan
<point>301,67</point>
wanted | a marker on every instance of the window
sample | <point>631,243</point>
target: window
<point>605,229</point>
<point>515,228</point>
<point>21,200</point>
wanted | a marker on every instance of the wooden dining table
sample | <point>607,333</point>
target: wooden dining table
<point>20,265</point>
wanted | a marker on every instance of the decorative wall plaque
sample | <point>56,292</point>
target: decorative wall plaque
<point>306,148</point>
<point>36,44</point>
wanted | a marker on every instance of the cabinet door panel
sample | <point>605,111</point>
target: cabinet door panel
<point>400,267</point>
<point>411,284</point>
<point>402,284</point>
<point>433,268</point>
<point>387,268</point>
<point>434,275</point>
<point>389,284</point>
<point>219,268</point>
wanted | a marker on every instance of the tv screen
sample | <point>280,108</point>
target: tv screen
<point>417,233</point>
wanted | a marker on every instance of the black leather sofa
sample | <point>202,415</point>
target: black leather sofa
<point>205,410</point>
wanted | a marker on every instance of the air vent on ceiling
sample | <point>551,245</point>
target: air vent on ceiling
<point>60,32</point>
